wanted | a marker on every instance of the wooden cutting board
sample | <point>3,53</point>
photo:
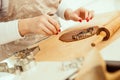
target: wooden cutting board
<point>52,49</point>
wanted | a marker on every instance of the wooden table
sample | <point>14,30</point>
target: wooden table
<point>52,49</point>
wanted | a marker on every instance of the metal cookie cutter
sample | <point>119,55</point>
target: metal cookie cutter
<point>23,60</point>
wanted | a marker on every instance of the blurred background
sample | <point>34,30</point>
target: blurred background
<point>99,6</point>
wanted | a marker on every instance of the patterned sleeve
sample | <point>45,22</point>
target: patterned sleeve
<point>3,8</point>
<point>20,9</point>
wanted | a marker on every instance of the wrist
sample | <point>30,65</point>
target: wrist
<point>23,28</point>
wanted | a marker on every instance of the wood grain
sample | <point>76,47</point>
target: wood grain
<point>52,49</point>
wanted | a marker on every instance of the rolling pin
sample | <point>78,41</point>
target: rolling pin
<point>105,32</point>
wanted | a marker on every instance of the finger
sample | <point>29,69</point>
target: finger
<point>82,13</point>
<point>45,30</point>
<point>54,23</point>
<point>75,17</point>
<point>51,28</point>
<point>86,14</point>
<point>91,15</point>
<point>40,30</point>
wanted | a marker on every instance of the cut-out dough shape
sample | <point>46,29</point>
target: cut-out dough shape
<point>79,34</point>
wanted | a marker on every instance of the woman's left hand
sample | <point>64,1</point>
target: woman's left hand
<point>79,14</point>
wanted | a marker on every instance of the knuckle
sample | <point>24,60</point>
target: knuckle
<point>50,32</point>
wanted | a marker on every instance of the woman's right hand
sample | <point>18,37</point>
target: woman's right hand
<point>43,24</point>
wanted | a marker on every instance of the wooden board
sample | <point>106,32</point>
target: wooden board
<point>52,49</point>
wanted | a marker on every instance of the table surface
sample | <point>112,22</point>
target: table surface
<point>52,49</point>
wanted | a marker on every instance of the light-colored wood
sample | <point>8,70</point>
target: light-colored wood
<point>100,37</point>
<point>94,68</point>
<point>52,49</point>
<point>112,26</point>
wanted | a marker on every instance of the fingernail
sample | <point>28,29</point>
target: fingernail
<point>87,19</point>
<point>59,30</point>
<point>80,20</point>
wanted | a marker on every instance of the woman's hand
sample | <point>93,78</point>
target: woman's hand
<point>43,24</point>
<point>79,14</point>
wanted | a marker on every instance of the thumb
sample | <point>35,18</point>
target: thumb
<point>70,15</point>
<point>75,17</point>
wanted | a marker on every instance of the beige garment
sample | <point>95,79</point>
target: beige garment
<point>19,9</point>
